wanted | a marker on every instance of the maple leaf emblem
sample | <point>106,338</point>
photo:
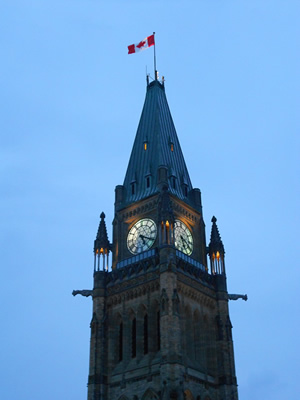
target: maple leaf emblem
<point>141,44</point>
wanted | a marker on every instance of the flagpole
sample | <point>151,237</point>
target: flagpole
<point>155,72</point>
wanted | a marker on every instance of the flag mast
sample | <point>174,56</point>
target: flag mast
<point>155,71</point>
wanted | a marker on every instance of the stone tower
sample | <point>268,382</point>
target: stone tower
<point>160,327</point>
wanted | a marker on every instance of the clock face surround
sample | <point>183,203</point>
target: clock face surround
<point>141,236</point>
<point>183,238</point>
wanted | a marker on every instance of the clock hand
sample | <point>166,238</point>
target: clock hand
<point>142,237</point>
<point>145,237</point>
<point>183,241</point>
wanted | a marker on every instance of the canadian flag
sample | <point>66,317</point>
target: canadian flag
<point>144,44</point>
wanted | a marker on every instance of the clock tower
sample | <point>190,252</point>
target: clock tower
<point>160,327</point>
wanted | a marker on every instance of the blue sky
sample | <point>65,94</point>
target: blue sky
<point>71,99</point>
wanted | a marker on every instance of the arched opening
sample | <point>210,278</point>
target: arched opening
<point>133,338</point>
<point>154,327</point>
<point>142,331</point>
<point>208,346</point>
<point>129,336</point>
<point>120,341</point>
<point>187,395</point>
<point>150,394</point>
<point>158,330</point>
<point>197,333</point>
<point>189,339</point>
<point>123,397</point>
<point>146,334</point>
<point>116,340</point>
<point>212,350</point>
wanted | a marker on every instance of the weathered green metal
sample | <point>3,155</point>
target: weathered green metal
<point>156,145</point>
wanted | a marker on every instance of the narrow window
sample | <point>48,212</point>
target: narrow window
<point>121,341</point>
<point>158,329</point>
<point>148,181</point>
<point>133,338</point>
<point>172,146</point>
<point>146,334</point>
<point>173,180</point>
<point>145,146</point>
<point>185,191</point>
<point>132,188</point>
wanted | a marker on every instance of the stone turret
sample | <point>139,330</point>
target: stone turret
<point>101,246</point>
<point>216,250</point>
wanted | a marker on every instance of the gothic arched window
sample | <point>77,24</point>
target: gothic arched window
<point>158,329</point>
<point>121,341</point>
<point>188,395</point>
<point>133,338</point>
<point>197,336</point>
<point>208,345</point>
<point>146,334</point>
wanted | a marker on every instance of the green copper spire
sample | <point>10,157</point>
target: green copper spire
<point>156,154</point>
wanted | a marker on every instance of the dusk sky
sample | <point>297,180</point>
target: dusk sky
<point>71,99</point>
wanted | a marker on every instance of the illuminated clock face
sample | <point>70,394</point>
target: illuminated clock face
<point>141,236</point>
<point>183,237</point>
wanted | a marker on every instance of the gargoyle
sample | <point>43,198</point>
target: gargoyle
<point>237,296</point>
<point>85,293</point>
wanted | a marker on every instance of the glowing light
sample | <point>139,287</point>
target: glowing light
<point>145,145</point>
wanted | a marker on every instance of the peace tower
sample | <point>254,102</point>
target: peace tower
<point>160,326</point>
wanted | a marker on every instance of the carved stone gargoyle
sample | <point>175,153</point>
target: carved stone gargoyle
<point>237,296</point>
<point>85,293</point>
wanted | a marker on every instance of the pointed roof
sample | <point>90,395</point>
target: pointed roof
<point>216,243</point>
<point>101,238</point>
<point>156,144</point>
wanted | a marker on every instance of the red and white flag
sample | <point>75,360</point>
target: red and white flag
<point>144,44</point>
